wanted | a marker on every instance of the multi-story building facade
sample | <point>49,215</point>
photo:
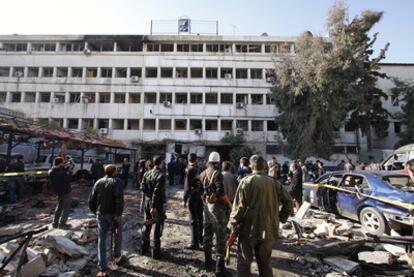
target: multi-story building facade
<point>156,92</point>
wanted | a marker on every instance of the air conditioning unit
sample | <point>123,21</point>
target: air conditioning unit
<point>239,131</point>
<point>197,131</point>
<point>135,79</point>
<point>167,104</point>
<point>19,74</point>
<point>57,99</point>
<point>227,133</point>
<point>239,105</point>
<point>270,79</point>
<point>103,131</point>
<point>87,51</point>
<point>227,76</point>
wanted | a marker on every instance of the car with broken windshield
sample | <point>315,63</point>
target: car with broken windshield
<point>380,201</point>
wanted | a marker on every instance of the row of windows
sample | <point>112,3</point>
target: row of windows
<point>110,46</point>
<point>171,124</point>
<point>124,72</point>
<point>166,98</point>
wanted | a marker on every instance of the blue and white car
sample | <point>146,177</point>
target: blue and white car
<point>379,200</point>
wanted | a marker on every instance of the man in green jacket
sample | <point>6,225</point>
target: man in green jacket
<point>261,196</point>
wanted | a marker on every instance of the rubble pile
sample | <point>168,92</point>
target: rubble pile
<point>339,247</point>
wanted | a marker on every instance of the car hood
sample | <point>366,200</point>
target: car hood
<point>397,195</point>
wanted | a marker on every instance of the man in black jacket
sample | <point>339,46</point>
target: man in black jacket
<point>153,187</point>
<point>192,194</point>
<point>60,183</point>
<point>107,202</point>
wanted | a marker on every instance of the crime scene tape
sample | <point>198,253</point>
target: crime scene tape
<point>407,206</point>
<point>14,174</point>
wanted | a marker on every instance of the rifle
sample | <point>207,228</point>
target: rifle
<point>234,235</point>
<point>226,201</point>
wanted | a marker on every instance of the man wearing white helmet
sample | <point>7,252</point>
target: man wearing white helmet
<point>215,219</point>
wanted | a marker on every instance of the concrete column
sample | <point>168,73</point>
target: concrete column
<point>99,74</point>
<point>54,72</point>
<point>110,123</point>
<point>113,72</point>
<point>95,123</point>
<point>65,123</point>
<point>112,97</point>
<point>8,97</point>
<point>248,73</point>
<point>115,46</point>
<point>128,72</point>
<point>37,97</point>
<point>25,71</point>
<point>125,124</point>
<point>79,124</point>
<point>97,98</point>
<point>67,97</point>
<point>83,72</point>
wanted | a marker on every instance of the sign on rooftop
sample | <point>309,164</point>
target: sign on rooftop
<point>184,26</point>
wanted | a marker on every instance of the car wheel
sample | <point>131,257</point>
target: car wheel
<point>373,221</point>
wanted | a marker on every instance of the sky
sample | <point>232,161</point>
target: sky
<point>240,17</point>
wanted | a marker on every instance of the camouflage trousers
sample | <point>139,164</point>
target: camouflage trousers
<point>215,222</point>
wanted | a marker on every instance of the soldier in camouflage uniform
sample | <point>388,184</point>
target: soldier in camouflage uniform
<point>215,219</point>
<point>153,186</point>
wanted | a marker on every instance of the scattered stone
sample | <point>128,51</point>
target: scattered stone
<point>304,208</point>
<point>10,230</point>
<point>334,274</point>
<point>51,271</point>
<point>324,229</point>
<point>312,259</point>
<point>65,246</point>
<point>396,250</point>
<point>345,227</point>
<point>409,258</point>
<point>77,265</point>
<point>68,274</point>
<point>376,257</point>
<point>60,233</point>
<point>51,256</point>
<point>341,264</point>
<point>33,267</point>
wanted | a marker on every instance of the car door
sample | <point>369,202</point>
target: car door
<point>348,202</point>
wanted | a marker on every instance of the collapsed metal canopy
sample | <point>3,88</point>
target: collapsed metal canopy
<point>24,126</point>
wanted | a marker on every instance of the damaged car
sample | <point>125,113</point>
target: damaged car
<point>380,201</point>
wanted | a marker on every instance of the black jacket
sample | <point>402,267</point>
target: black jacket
<point>192,184</point>
<point>97,170</point>
<point>107,196</point>
<point>60,180</point>
<point>212,181</point>
<point>296,183</point>
<point>153,186</point>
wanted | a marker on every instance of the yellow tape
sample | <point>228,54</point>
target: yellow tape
<point>13,174</point>
<point>407,206</point>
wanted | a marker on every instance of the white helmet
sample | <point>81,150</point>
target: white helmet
<point>214,157</point>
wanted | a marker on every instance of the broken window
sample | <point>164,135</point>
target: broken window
<point>211,98</point>
<point>59,98</point>
<point>128,46</point>
<point>77,72</point>
<point>89,97</point>
<point>47,72</point>
<point>103,123</point>
<point>167,47</point>
<point>136,71</point>
<point>19,72</point>
<point>181,72</point>
<point>153,47</point>
<point>62,72</point>
<point>120,72</point>
<point>212,47</point>
<point>134,98</point>
<point>257,99</point>
<point>196,47</point>
<point>242,98</point>
<point>284,48</point>
<point>255,48</point>
<point>165,97</point>
<point>196,72</point>
<point>44,47</point>
<point>166,72</point>
<point>270,48</point>
<point>196,98</point>
<point>211,73</point>
<point>133,124</point>
<point>269,99</point>
<point>33,72</point>
<point>242,124</point>
<point>3,96</point>
<point>226,98</point>
<point>104,97</point>
<point>87,123</point>
<point>74,97</point>
<point>211,125</point>
<point>106,72</point>
<point>73,123</point>
<point>226,48</point>
<point>72,47</point>
<point>181,124</point>
<point>57,122</point>
<point>91,72</point>
<point>120,98</point>
<point>150,97</point>
<point>30,97</point>
<point>241,73</point>
<point>16,97</point>
<point>45,97</point>
<point>183,47</point>
<point>241,48</point>
<point>164,124</point>
<point>256,73</point>
<point>4,71</point>
<point>117,124</point>
<point>226,125</point>
<point>101,46</point>
<point>196,124</point>
<point>272,125</point>
<point>257,125</point>
<point>226,73</point>
<point>14,47</point>
<point>181,98</point>
<point>151,72</point>
<point>149,124</point>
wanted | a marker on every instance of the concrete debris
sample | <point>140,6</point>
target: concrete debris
<point>10,230</point>
<point>65,246</point>
<point>341,264</point>
<point>376,257</point>
<point>68,274</point>
<point>409,257</point>
<point>395,249</point>
<point>344,227</point>
<point>60,233</point>
<point>304,208</point>
<point>51,271</point>
<point>324,229</point>
<point>34,267</point>
<point>77,265</point>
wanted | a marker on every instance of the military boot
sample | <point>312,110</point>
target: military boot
<point>220,268</point>
<point>145,247</point>
<point>156,252</point>
<point>208,262</point>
